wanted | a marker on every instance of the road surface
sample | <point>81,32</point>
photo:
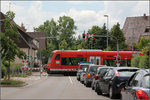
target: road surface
<point>54,87</point>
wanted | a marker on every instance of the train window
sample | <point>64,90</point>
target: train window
<point>57,57</point>
<point>111,62</point>
<point>72,61</point>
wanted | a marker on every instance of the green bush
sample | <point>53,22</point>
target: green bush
<point>140,62</point>
<point>144,62</point>
<point>19,65</point>
<point>12,82</point>
<point>135,61</point>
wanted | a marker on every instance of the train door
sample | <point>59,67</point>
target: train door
<point>57,61</point>
<point>95,59</point>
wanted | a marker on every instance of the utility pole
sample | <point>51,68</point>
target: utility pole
<point>30,55</point>
<point>132,40</point>
<point>107,30</point>
<point>0,53</point>
<point>9,5</point>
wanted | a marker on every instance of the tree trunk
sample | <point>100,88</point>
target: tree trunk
<point>9,71</point>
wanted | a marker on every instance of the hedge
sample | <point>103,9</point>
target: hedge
<point>140,62</point>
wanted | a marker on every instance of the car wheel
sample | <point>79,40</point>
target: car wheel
<point>92,87</point>
<point>86,84</point>
<point>98,90</point>
<point>111,94</point>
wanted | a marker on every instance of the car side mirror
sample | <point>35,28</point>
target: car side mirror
<point>122,85</point>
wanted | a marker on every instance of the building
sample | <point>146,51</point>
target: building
<point>25,42</point>
<point>136,27</point>
<point>40,36</point>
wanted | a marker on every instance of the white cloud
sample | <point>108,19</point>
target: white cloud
<point>33,15</point>
<point>122,9</point>
<point>81,2</point>
<point>140,8</point>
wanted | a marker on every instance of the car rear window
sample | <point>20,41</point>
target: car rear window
<point>83,66</point>
<point>102,71</point>
<point>126,72</point>
<point>146,81</point>
<point>93,68</point>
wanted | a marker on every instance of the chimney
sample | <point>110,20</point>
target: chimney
<point>145,17</point>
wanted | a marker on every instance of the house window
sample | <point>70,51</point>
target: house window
<point>147,30</point>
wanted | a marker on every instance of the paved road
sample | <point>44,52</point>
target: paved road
<point>54,87</point>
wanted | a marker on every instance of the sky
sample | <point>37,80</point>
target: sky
<point>85,13</point>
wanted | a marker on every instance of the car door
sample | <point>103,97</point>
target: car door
<point>133,85</point>
<point>106,79</point>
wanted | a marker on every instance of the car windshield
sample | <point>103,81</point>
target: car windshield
<point>50,58</point>
<point>146,81</point>
<point>83,66</point>
<point>93,68</point>
<point>126,72</point>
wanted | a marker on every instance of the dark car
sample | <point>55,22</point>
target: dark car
<point>80,69</point>
<point>137,87</point>
<point>90,72</point>
<point>110,83</point>
<point>99,74</point>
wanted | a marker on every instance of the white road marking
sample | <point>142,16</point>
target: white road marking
<point>70,80</point>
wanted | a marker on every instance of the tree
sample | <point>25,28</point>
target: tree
<point>144,45</point>
<point>51,30</point>
<point>98,42</point>
<point>66,26</point>
<point>116,32</point>
<point>63,45</point>
<point>9,48</point>
<point>142,61</point>
<point>22,26</point>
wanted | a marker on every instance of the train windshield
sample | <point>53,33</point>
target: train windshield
<point>50,58</point>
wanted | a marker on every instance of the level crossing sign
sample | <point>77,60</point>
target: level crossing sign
<point>25,62</point>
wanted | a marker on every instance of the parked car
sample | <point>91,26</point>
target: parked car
<point>80,69</point>
<point>99,74</point>
<point>90,72</point>
<point>82,76</point>
<point>137,87</point>
<point>110,83</point>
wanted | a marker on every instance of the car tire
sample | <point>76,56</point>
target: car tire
<point>92,87</point>
<point>86,84</point>
<point>111,93</point>
<point>98,90</point>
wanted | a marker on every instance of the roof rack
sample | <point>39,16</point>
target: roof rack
<point>89,50</point>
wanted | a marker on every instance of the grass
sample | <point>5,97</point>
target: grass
<point>12,83</point>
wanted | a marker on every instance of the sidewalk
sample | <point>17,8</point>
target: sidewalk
<point>32,79</point>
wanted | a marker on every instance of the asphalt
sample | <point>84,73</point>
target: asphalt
<point>52,87</point>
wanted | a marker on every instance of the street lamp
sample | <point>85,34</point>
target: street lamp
<point>107,30</point>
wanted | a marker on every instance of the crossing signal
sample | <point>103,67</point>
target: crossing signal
<point>83,35</point>
<point>87,36</point>
<point>93,35</point>
<point>117,59</point>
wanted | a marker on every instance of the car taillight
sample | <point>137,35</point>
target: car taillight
<point>142,95</point>
<point>97,77</point>
<point>130,69</point>
<point>89,75</point>
<point>117,74</point>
